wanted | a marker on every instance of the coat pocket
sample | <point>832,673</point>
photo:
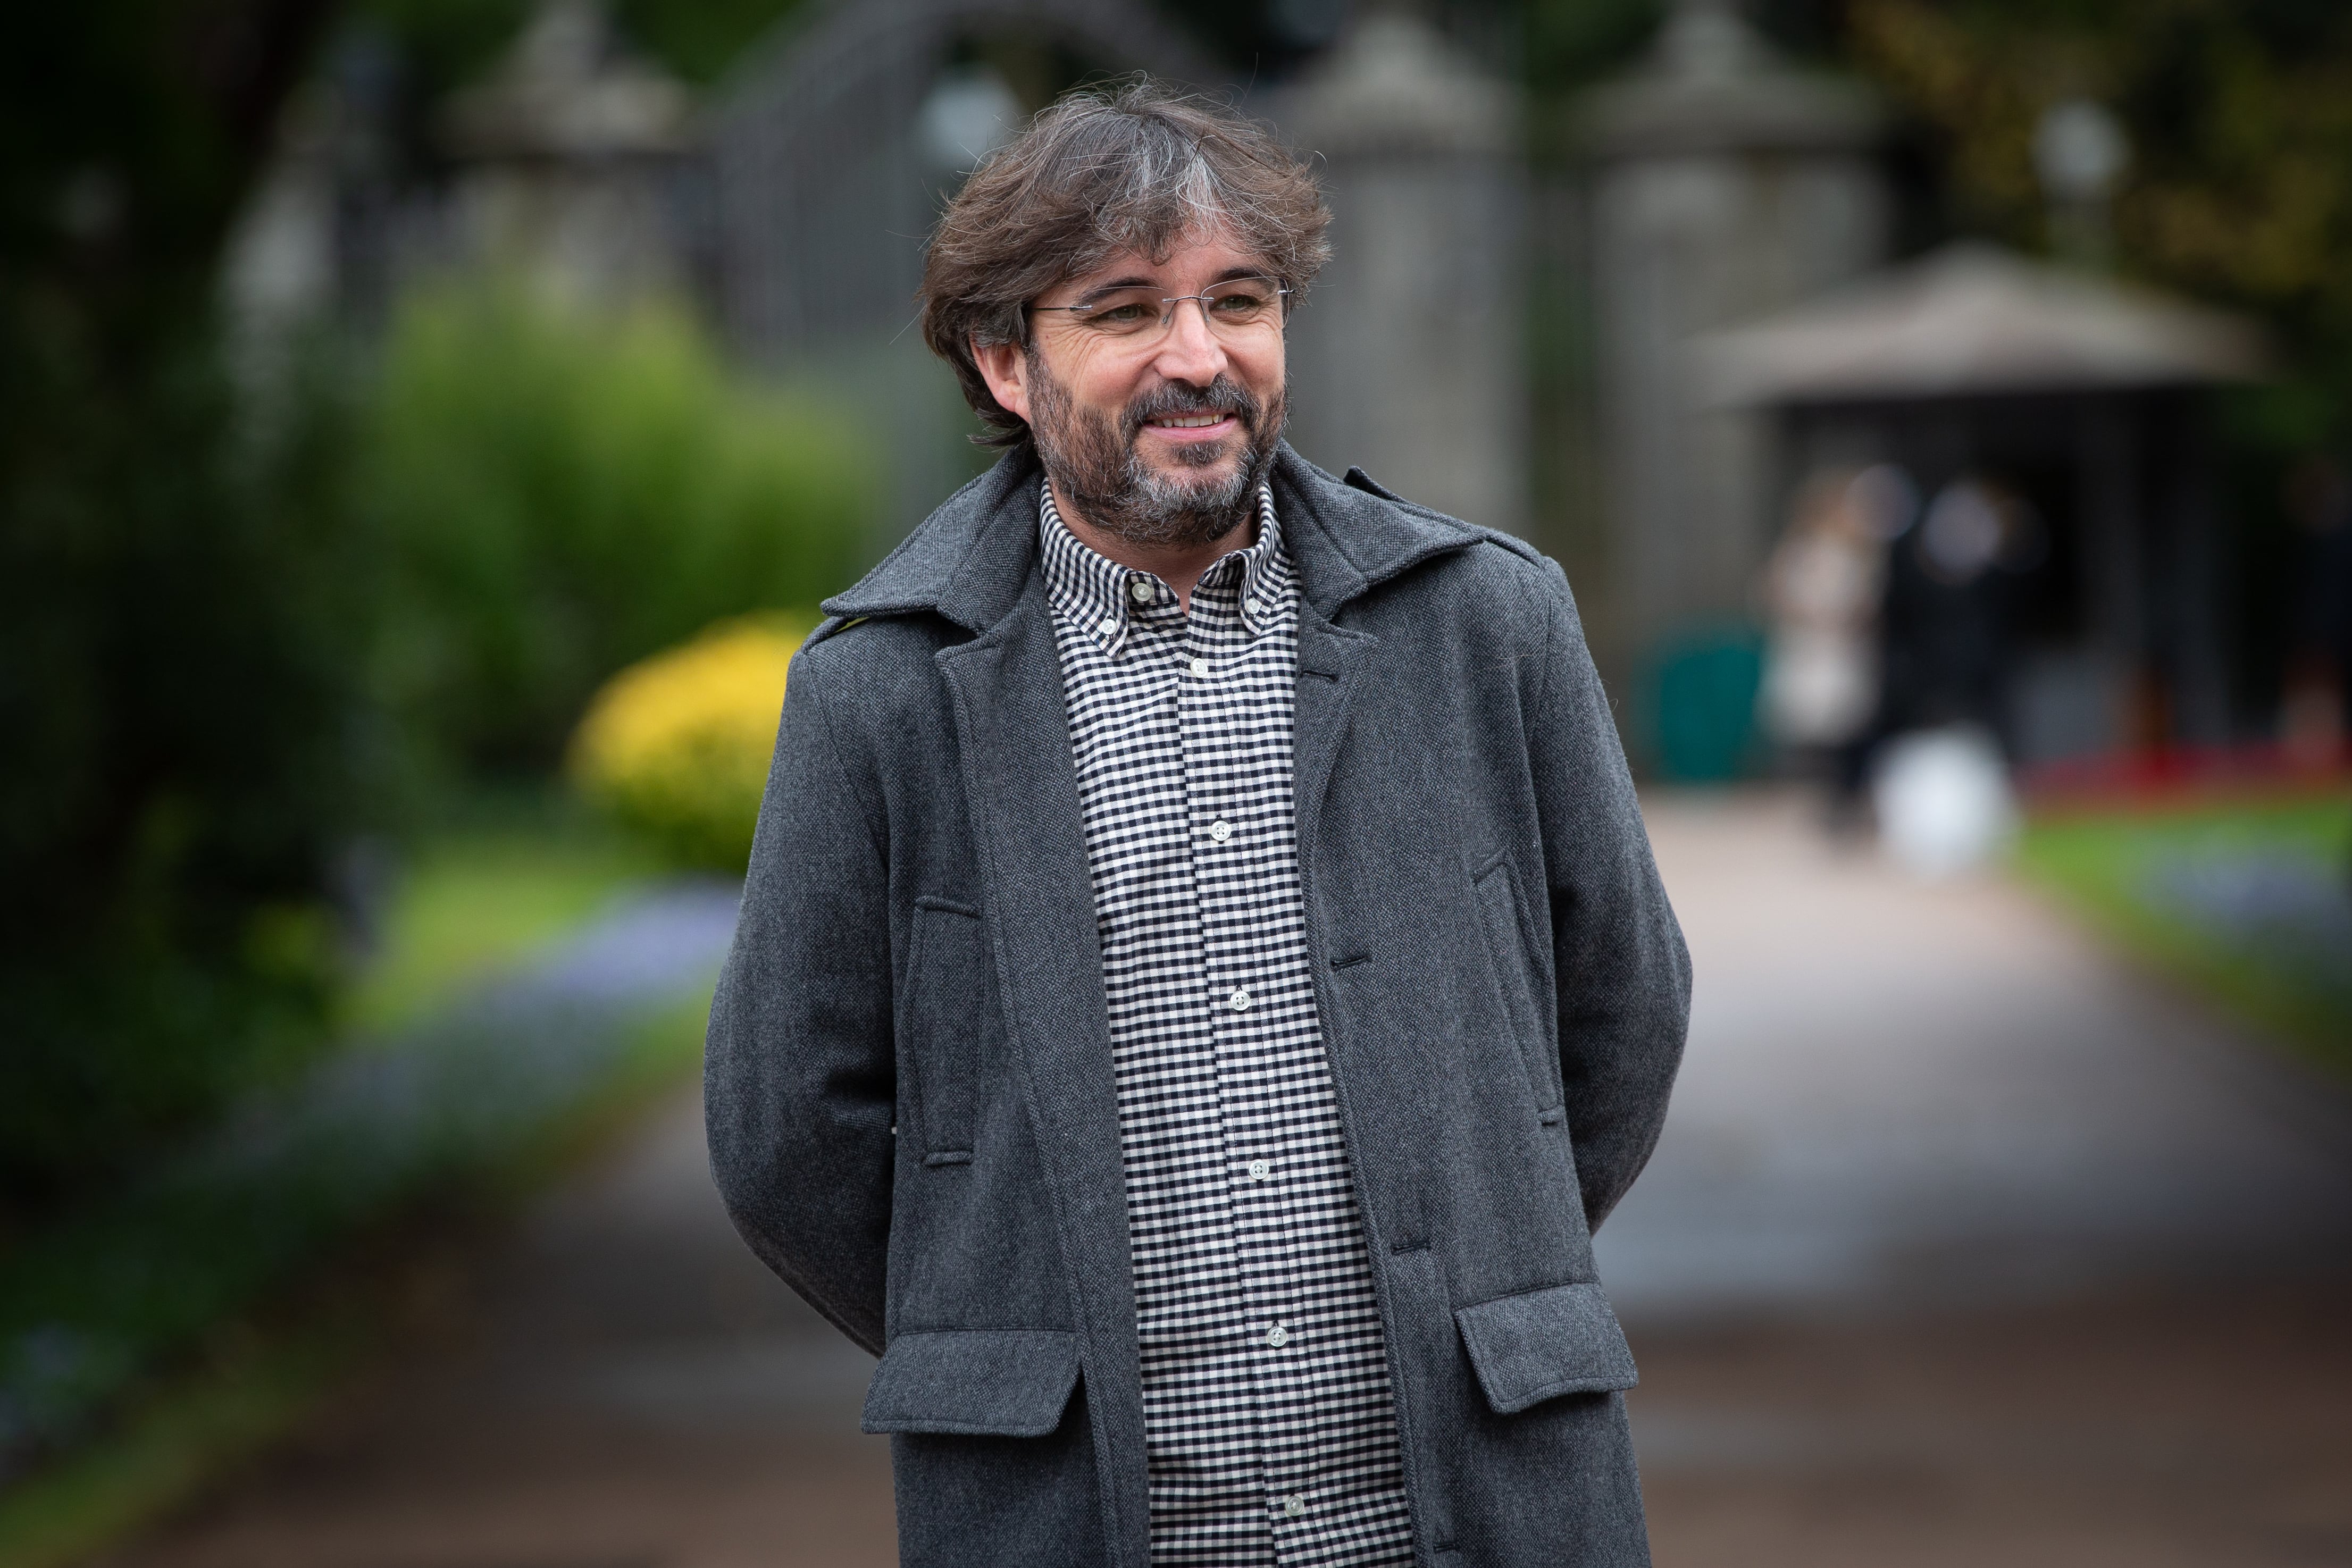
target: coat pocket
<point>1000,1383</point>
<point>944,1014</point>
<point>1495,890</point>
<point>1540,1344</point>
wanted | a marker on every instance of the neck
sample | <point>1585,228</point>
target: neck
<point>1178,566</point>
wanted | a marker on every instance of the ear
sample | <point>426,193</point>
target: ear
<point>1005,368</point>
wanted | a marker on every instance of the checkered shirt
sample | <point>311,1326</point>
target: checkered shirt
<point>1268,1416</point>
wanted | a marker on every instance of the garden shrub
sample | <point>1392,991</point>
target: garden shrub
<point>677,748</point>
<point>184,609</point>
<point>563,494</point>
<point>183,619</point>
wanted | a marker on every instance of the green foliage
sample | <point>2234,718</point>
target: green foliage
<point>1570,44</point>
<point>480,900</point>
<point>179,656</point>
<point>145,1339</point>
<point>564,494</point>
<point>702,40</point>
<point>183,651</point>
<point>2123,870</point>
<point>447,43</point>
<point>2239,115</point>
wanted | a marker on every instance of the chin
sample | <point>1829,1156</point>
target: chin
<point>1194,489</point>
<point>1201,465</point>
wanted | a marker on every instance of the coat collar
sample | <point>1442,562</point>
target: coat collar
<point>971,560</point>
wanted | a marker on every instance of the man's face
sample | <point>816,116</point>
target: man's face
<point>1159,434</point>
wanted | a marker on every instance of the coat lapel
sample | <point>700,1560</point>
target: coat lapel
<point>1331,668</point>
<point>1021,782</point>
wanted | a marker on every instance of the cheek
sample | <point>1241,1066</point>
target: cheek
<point>1260,368</point>
<point>1101,383</point>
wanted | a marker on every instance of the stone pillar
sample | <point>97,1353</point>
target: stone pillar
<point>1408,356</point>
<point>566,158</point>
<point>1723,185</point>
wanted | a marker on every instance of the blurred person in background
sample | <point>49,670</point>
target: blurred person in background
<point>1202,975</point>
<point>1948,584</point>
<point>1824,588</point>
<point>1934,753</point>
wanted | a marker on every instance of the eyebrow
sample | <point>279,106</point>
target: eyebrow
<point>1099,289</point>
<point>1228,276</point>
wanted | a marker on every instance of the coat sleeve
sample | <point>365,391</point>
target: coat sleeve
<point>798,1077</point>
<point>1619,961</point>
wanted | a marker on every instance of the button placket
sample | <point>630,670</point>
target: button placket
<point>1212,676</point>
<point>1209,743</point>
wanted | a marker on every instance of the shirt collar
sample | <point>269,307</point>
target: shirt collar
<point>1101,595</point>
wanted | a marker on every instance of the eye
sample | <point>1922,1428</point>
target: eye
<point>1242,301</point>
<point>1123,315</point>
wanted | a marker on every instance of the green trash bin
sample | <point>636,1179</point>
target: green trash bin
<point>1702,704</point>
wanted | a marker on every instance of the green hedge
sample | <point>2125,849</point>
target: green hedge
<point>183,624</point>
<point>563,494</point>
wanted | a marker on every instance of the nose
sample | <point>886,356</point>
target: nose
<point>1189,351</point>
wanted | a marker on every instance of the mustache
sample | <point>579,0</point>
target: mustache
<point>1224,395</point>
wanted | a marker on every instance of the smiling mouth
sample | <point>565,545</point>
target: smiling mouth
<point>1190,421</point>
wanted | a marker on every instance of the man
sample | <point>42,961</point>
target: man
<point>1202,975</point>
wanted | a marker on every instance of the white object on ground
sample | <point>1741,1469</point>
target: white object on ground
<point>1943,800</point>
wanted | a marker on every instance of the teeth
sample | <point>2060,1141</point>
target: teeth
<point>1190,421</point>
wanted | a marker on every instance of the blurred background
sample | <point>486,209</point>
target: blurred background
<point>427,427</point>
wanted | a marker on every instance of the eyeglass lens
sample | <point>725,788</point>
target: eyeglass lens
<point>1238,303</point>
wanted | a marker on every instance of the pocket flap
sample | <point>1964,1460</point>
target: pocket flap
<point>1531,1348</point>
<point>1004,1382</point>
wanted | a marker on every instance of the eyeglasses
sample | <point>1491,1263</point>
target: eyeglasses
<point>1236,304</point>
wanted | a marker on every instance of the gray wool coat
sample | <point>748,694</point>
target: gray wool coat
<point>912,1114</point>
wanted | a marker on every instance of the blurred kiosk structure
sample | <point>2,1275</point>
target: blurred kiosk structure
<point>1408,357</point>
<point>1720,183</point>
<point>2075,398</point>
<point>832,149</point>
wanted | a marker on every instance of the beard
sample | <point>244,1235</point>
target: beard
<point>1097,467</point>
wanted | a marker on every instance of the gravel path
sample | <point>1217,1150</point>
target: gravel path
<point>1966,1246</point>
<point>1963,1246</point>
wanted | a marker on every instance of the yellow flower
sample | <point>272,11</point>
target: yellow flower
<point>678,746</point>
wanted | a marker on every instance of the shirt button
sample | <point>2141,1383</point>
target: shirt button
<point>1221,831</point>
<point>1139,590</point>
<point>1107,627</point>
<point>1277,1336</point>
<point>1200,669</point>
<point>1239,1001</point>
<point>1259,1170</point>
<point>1294,1505</point>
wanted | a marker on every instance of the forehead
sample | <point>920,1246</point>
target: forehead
<point>1198,256</point>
